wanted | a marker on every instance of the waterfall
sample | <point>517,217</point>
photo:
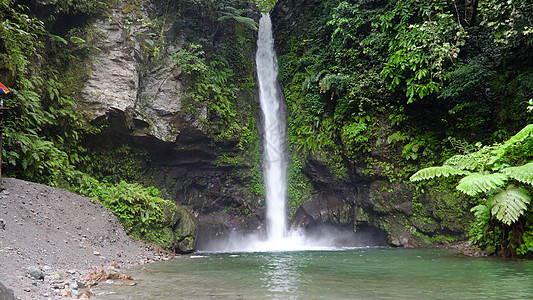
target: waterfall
<point>274,125</point>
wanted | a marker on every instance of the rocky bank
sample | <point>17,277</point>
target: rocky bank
<point>50,241</point>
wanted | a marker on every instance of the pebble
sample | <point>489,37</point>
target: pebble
<point>35,272</point>
<point>76,285</point>
<point>47,268</point>
<point>55,276</point>
<point>65,293</point>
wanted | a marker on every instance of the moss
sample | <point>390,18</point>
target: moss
<point>129,8</point>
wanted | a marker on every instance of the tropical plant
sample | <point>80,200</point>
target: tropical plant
<point>236,14</point>
<point>265,5</point>
<point>489,172</point>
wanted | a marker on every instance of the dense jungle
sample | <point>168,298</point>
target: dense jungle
<point>408,119</point>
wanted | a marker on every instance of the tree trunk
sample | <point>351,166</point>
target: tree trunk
<point>473,20</point>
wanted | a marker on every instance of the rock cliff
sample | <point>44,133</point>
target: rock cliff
<point>143,89</point>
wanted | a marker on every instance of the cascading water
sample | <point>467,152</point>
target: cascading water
<point>275,162</point>
<point>275,166</point>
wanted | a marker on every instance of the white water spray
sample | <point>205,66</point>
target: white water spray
<point>275,162</point>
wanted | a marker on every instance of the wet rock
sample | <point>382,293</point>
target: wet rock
<point>101,274</point>
<point>327,207</point>
<point>35,272</point>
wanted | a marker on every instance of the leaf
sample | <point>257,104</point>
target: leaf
<point>149,42</point>
<point>76,40</point>
<point>463,162</point>
<point>480,211</point>
<point>432,172</point>
<point>477,183</point>
<point>509,205</point>
<point>522,173</point>
<point>523,134</point>
<point>57,38</point>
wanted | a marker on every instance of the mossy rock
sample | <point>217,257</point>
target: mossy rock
<point>389,198</point>
<point>178,232</point>
<point>449,209</point>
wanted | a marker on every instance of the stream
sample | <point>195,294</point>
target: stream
<point>361,273</point>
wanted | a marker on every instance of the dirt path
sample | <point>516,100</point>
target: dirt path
<point>64,235</point>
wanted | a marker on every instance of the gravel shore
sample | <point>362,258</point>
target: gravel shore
<point>52,241</point>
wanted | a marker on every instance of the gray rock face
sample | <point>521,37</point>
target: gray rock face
<point>140,98</point>
<point>122,79</point>
<point>114,78</point>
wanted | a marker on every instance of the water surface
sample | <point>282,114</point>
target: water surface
<point>370,273</point>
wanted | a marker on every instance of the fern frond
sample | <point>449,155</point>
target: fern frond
<point>432,172</point>
<point>461,145</point>
<point>477,183</point>
<point>522,173</point>
<point>480,211</point>
<point>463,162</point>
<point>248,22</point>
<point>523,134</point>
<point>236,14</point>
<point>509,205</point>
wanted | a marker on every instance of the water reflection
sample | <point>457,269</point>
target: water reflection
<point>281,276</point>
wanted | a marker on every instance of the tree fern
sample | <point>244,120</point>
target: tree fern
<point>236,14</point>
<point>432,172</point>
<point>510,204</point>
<point>522,173</point>
<point>461,145</point>
<point>477,183</point>
<point>463,162</point>
<point>480,211</point>
<point>523,134</point>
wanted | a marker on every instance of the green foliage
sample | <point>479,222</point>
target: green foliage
<point>506,206</point>
<point>141,211</point>
<point>420,48</point>
<point>216,61</point>
<point>435,172</point>
<point>299,186</point>
<point>43,123</point>
<point>523,174</point>
<point>477,183</point>
<point>236,14</point>
<point>265,5</point>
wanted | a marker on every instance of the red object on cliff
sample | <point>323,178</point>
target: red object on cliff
<point>3,89</point>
